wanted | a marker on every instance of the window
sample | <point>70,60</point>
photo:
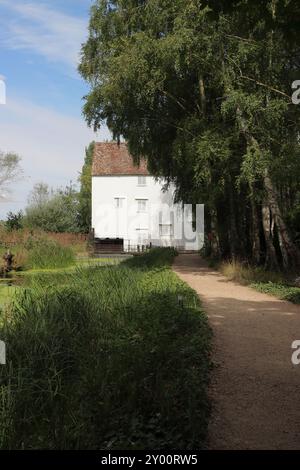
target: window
<point>142,181</point>
<point>119,202</point>
<point>165,230</point>
<point>143,236</point>
<point>142,205</point>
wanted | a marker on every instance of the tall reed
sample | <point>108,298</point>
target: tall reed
<point>105,358</point>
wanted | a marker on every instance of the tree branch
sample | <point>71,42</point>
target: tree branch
<point>265,86</point>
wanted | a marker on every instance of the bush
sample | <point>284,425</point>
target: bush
<point>105,358</point>
<point>53,211</point>
<point>14,221</point>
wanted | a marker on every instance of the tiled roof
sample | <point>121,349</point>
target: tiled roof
<point>114,159</point>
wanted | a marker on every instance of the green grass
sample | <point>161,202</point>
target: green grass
<point>45,254</point>
<point>284,292</point>
<point>80,263</point>
<point>154,258</point>
<point>268,282</point>
<point>106,358</point>
<point>6,293</point>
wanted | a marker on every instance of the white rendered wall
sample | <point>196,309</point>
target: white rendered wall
<point>127,223</point>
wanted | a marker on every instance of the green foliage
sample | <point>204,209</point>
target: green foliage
<point>45,253</point>
<point>293,216</point>
<point>284,292</point>
<point>246,274</point>
<point>154,258</point>
<point>10,169</point>
<point>105,358</point>
<point>85,193</point>
<point>203,90</point>
<point>14,221</point>
<point>53,211</point>
<point>264,281</point>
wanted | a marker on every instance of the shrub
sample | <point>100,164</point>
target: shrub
<point>53,211</point>
<point>14,221</point>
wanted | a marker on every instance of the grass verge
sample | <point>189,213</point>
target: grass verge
<point>283,292</point>
<point>106,358</point>
<point>268,282</point>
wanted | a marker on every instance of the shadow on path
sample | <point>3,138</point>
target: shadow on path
<point>255,387</point>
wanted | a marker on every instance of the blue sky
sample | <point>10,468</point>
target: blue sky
<point>41,121</point>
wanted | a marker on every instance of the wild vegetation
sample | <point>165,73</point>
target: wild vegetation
<point>41,250</point>
<point>274,283</point>
<point>10,170</point>
<point>105,358</point>
<point>48,254</point>
<point>62,210</point>
<point>52,210</point>
<point>85,193</point>
<point>203,90</point>
<point>15,238</point>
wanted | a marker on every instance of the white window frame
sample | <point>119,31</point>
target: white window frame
<point>142,181</point>
<point>170,233</point>
<point>143,235</point>
<point>119,202</point>
<point>145,204</point>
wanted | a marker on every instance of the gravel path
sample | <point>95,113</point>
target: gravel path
<point>255,388</point>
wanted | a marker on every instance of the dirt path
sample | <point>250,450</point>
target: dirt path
<point>255,388</point>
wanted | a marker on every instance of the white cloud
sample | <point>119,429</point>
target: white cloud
<point>45,31</point>
<point>51,146</point>
<point>50,143</point>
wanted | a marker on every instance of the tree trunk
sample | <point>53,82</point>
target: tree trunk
<point>256,245</point>
<point>202,95</point>
<point>233,233</point>
<point>271,261</point>
<point>215,242</point>
<point>290,253</point>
